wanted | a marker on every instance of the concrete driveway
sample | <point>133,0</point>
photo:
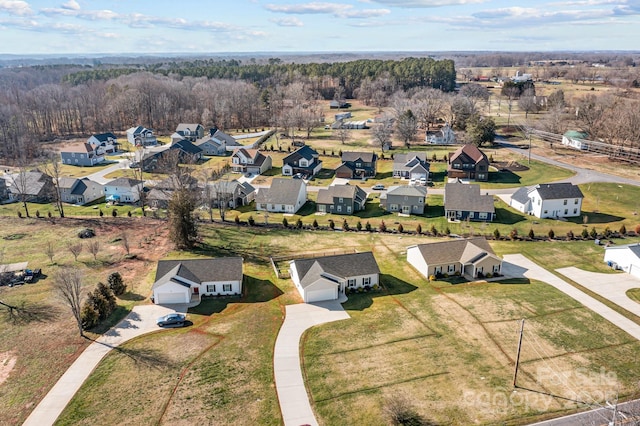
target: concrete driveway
<point>610,286</point>
<point>292,394</point>
<point>141,320</point>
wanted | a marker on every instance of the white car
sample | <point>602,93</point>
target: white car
<point>378,187</point>
<point>423,181</point>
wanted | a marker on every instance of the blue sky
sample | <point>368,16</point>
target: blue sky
<point>162,26</point>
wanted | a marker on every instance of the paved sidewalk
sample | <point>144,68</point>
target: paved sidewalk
<point>516,265</point>
<point>292,394</point>
<point>610,286</point>
<point>141,320</point>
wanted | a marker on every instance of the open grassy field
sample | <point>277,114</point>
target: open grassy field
<point>447,346</point>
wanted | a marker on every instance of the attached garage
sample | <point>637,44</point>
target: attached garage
<point>321,290</point>
<point>171,291</point>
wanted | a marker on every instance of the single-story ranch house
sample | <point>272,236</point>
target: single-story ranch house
<point>185,281</point>
<point>325,278</point>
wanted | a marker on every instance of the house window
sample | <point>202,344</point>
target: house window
<point>437,270</point>
<point>482,215</point>
<point>575,201</point>
<point>456,166</point>
<point>565,202</point>
<point>545,212</point>
<point>394,207</point>
<point>340,200</point>
<point>339,208</point>
<point>566,211</point>
<point>211,288</point>
<point>358,164</point>
<point>420,200</point>
<point>366,281</point>
<point>481,168</point>
<point>481,176</point>
<point>496,268</point>
<point>348,209</point>
<point>283,207</point>
<point>226,287</point>
<point>575,211</point>
<point>451,268</point>
<point>351,282</point>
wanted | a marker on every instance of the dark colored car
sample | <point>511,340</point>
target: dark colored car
<point>171,319</point>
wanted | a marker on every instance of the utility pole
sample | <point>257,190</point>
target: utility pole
<point>529,147</point>
<point>515,371</point>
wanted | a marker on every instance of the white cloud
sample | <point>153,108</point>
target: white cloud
<point>15,7</point>
<point>287,22</point>
<point>91,15</point>
<point>318,8</point>
<point>71,5</point>
<point>426,3</point>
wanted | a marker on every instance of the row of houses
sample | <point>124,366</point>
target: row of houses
<point>322,278</point>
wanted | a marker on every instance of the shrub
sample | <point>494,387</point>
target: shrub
<point>251,221</point>
<point>89,316</point>
<point>496,234</point>
<point>432,277</point>
<point>585,233</point>
<point>593,233</point>
<point>551,234</point>
<point>400,228</point>
<point>101,213</point>
<point>419,229</point>
<point>129,213</point>
<point>637,229</point>
<point>49,214</point>
<point>38,214</point>
<point>19,214</point>
<point>116,284</point>
<point>434,230</point>
<point>299,223</point>
<point>532,235</point>
<point>285,222</point>
<point>345,225</point>
<point>513,234</point>
<point>332,225</point>
<point>447,231</point>
<point>237,220</point>
<point>383,227</point>
<point>315,224</point>
<point>623,230</point>
<point>367,226</point>
<point>489,275</point>
<point>359,226</point>
<point>570,235</point>
<point>607,232</point>
<point>114,212</point>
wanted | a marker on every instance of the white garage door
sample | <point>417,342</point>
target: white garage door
<point>167,298</point>
<point>634,270</point>
<point>320,295</point>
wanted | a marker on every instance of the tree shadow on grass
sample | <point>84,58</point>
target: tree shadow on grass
<point>594,217</point>
<point>144,357</point>
<point>508,217</point>
<point>504,176</point>
<point>390,285</point>
<point>29,313</point>
<point>434,211</point>
<point>129,295</point>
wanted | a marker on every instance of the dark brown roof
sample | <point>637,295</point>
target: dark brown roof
<point>471,151</point>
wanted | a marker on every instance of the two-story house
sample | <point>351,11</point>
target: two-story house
<point>406,199</point>
<point>283,196</point>
<point>412,165</point>
<point>81,154</point>
<point>468,162</point>
<point>441,136</point>
<point>104,143</point>
<point>549,200</point>
<point>325,278</point>
<point>79,191</point>
<point>357,165</point>
<point>341,199</point>
<point>31,186</point>
<point>465,202</point>
<point>189,131</point>
<point>188,152</point>
<point>124,190</point>
<point>141,136</point>
<point>304,160</point>
<point>233,193</point>
<point>250,161</point>
<point>216,143</point>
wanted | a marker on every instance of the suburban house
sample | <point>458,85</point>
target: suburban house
<point>357,165</point>
<point>216,142</point>
<point>186,281</point>
<point>412,165</point>
<point>304,160</point>
<point>233,193</point>
<point>325,278</point>
<point>123,189</point>
<point>575,139</point>
<point>81,154</point>
<point>160,195</point>
<point>441,136</point>
<point>188,153</point>
<point>626,258</point>
<point>341,199</point>
<point>104,143</point>
<point>465,202</point>
<point>471,258</point>
<point>141,136</point>
<point>189,131</point>
<point>79,191</point>
<point>468,162</point>
<point>250,161</point>
<point>406,199</point>
<point>284,196</point>
<point>33,186</point>
<point>549,200</point>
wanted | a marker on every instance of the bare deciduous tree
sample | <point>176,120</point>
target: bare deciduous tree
<point>124,237</point>
<point>67,283</point>
<point>53,169</point>
<point>343,134</point>
<point>94,248</point>
<point>75,249</point>
<point>50,251</point>
<point>382,133</point>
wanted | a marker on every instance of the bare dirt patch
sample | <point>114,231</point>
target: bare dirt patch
<point>7,362</point>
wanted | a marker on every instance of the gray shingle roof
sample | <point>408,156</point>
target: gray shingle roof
<point>463,251</point>
<point>521,195</point>
<point>342,266</point>
<point>354,192</point>
<point>29,183</point>
<point>186,146</point>
<point>192,127</point>
<point>408,190</point>
<point>104,137</point>
<point>410,161</point>
<point>282,191</point>
<point>467,197</point>
<point>555,191</point>
<point>200,270</point>
<point>124,182</point>
<point>367,157</point>
<point>305,152</point>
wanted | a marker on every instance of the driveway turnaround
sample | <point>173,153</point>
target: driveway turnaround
<point>141,320</point>
<point>610,286</point>
<point>516,265</point>
<point>292,394</point>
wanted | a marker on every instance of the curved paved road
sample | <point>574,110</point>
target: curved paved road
<point>141,320</point>
<point>292,393</point>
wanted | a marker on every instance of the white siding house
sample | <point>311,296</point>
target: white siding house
<point>626,258</point>
<point>549,200</point>
<point>123,189</point>
<point>283,196</point>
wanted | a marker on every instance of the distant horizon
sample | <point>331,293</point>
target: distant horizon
<point>188,27</point>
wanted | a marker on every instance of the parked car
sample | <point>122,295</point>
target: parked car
<point>423,181</point>
<point>378,186</point>
<point>171,319</point>
<point>298,176</point>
